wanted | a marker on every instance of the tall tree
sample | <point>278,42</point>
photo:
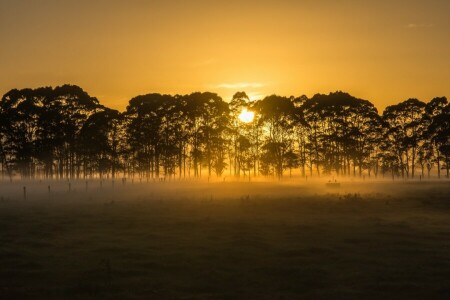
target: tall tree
<point>277,116</point>
<point>145,114</point>
<point>434,116</point>
<point>207,116</point>
<point>99,143</point>
<point>404,120</point>
<point>21,111</point>
<point>439,130</point>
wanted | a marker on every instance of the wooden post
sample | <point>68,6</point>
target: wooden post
<point>24,193</point>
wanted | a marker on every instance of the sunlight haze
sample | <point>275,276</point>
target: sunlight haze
<point>383,51</point>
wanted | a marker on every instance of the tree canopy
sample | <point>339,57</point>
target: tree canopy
<point>64,132</point>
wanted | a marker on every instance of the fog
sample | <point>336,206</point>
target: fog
<point>225,239</point>
<point>223,189</point>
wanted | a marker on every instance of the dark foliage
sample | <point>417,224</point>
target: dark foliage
<point>65,133</point>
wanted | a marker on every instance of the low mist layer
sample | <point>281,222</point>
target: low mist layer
<point>222,240</point>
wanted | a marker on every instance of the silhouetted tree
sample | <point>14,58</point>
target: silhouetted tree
<point>238,102</point>
<point>436,111</point>
<point>65,133</point>
<point>341,131</point>
<point>100,141</point>
<point>20,110</point>
<point>404,120</point>
<point>64,113</point>
<point>439,130</point>
<point>277,117</point>
<point>146,115</point>
<point>207,117</point>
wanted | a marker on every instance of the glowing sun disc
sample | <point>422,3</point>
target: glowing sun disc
<point>246,116</point>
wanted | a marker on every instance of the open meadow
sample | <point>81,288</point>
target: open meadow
<point>224,240</point>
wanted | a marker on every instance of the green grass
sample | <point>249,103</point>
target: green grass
<point>214,242</point>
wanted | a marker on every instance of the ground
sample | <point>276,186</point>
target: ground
<point>224,240</point>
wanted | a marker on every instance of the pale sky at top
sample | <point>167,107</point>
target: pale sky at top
<point>383,51</point>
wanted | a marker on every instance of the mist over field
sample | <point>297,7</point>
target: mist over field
<point>224,239</point>
<point>208,150</point>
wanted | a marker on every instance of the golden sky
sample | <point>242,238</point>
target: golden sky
<point>383,51</point>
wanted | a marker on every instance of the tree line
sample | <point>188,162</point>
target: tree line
<point>64,132</point>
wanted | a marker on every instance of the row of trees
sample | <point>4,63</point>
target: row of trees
<point>65,133</point>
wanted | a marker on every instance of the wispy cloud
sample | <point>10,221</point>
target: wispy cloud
<point>239,85</point>
<point>255,96</point>
<point>419,25</point>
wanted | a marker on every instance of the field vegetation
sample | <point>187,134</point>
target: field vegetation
<point>224,240</point>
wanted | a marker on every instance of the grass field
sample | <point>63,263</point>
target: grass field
<point>223,240</point>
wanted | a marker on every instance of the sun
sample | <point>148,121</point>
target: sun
<point>246,116</point>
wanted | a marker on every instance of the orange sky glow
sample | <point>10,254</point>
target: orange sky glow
<point>383,51</point>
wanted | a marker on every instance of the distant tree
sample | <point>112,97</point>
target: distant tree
<point>238,102</point>
<point>66,133</point>
<point>439,132</point>
<point>301,133</point>
<point>99,141</point>
<point>435,120</point>
<point>277,117</point>
<point>20,110</point>
<point>146,115</point>
<point>290,161</point>
<point>404,120</point>
<point>342,132</point>
<point>63,116</point>
<point>5,169</point>
<point>207,117</point>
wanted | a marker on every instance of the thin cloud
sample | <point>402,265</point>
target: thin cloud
<point>255,96</point>
<point>240,85</point>
<point>421,25</point>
